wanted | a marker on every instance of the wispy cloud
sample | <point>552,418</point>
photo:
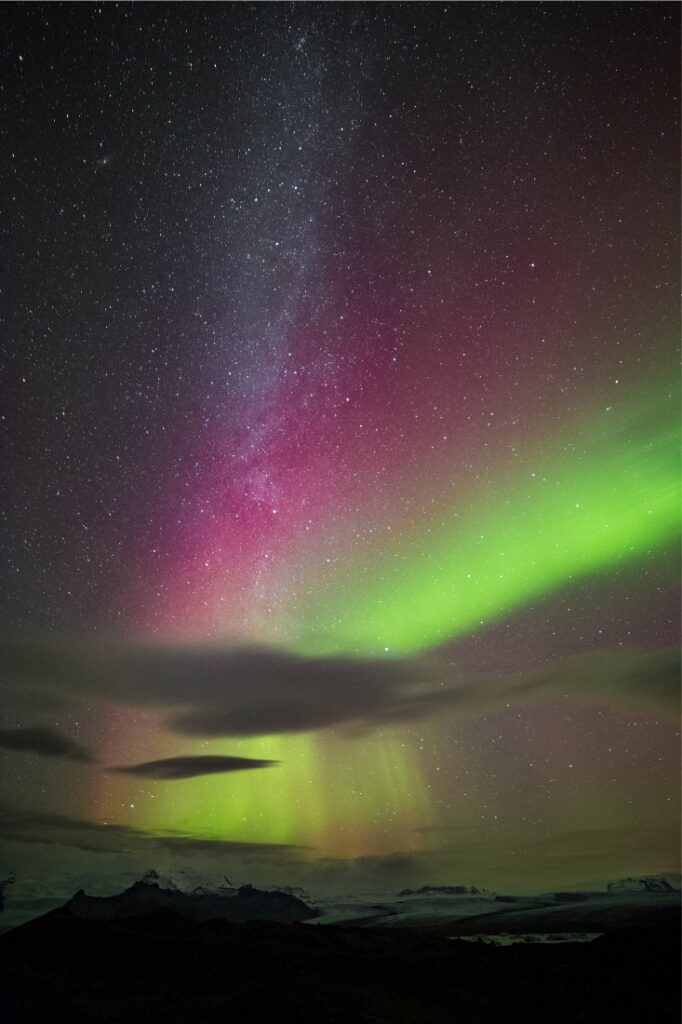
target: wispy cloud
<point>32,826</point>
<point>206,690</point>
<point>189,767</point>
<point>46,741</point>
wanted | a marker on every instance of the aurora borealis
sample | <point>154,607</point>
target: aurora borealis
<point>342,398</point>
<point>617,498</point>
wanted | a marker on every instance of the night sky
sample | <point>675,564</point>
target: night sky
<point>340,393</point>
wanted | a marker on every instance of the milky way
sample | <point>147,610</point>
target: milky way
<point>350,331</point>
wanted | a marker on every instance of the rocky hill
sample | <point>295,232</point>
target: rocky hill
<point>654,883</point>
<point>165,968</point>
<point>147,896</point>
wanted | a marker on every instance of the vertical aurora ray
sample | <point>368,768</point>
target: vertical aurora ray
<point>362,795</point>
<point>267,806</point>
<point>347,335</point>
<point>608,495</point>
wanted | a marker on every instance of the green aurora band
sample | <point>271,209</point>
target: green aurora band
<point>610,494</point>
<point>359,796</point>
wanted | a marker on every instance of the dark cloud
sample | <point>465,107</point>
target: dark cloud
<point>645,676</point>
<point>42,740</point>
<point>26,826</point>
<point>206,690</point>
<point>380,872</point>
<point>209,690</point>
<point>189,767</point>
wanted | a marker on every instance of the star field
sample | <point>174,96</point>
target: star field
<point>342,416</point>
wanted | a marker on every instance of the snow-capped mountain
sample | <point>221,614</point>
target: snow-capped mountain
<point>237,905</point>
<point>653,883</point>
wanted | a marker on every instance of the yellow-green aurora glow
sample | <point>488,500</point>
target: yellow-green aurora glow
<point>363,795</point>
<point>344,433</point>
<point>608,493</point>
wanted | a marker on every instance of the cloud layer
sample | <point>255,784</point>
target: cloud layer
<point>33,826</point>
<point>220,691</point>
<point>43,740</point>
<point>207,691</point>
<point>189,767</point>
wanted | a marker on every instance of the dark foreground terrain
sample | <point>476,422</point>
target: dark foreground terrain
<point>162,967</point>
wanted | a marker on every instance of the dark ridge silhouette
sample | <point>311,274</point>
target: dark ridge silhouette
<point>165,967</point>
<point>3,885</point>
<point>442,890</point>
<point>146,897</point>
